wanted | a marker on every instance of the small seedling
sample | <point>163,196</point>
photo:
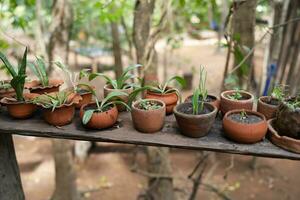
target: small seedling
<point>195,101</point>
<point>243,115</point>
<point>236,95</point>
<point>4,85</point>
<point>149,105</point>
<point>278,92</point>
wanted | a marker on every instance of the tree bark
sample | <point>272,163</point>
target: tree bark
<point>116,49</point>
<point>243,23</point>
<point>10,181</point>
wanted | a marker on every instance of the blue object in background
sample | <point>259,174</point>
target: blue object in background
<point>270,73</point>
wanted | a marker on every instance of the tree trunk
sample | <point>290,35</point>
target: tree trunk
<point>10,181</point>
<point>40,40</point>
<point>243,23</point>
<point>65,176</point>
<point>116,49</point>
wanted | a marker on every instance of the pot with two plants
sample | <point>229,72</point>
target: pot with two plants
<point>196,118</point>
<point>59,107</point>
<point>20,105</point>
<point>120,84</point>
<point>169,95</point>
<point>236,99</point>
<point>245,126</point>
<point>148,115</point>
<point>284,129</point>
<point>102,114</point>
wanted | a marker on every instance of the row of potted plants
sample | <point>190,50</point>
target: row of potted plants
<point>195,117</point>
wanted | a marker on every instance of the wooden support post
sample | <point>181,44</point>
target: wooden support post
<point>10,180</point>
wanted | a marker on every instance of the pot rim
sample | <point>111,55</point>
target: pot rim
<point>13,101</point>
<point>266,104</point>
<point>75,100</point>
<point>176,112</point>
<point>226,116</point>
<point>241,91</point>
<point>211,95</point>
<point>107,87</point>
<point>141,110</point>
<point>37,86</point>
<point>94,103</point>
<point>275,132</point>
<point>160,94</point>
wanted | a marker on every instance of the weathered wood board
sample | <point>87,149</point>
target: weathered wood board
<point>123,132</point>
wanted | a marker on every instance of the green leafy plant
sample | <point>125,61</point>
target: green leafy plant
<point>39,69</point>
<point>52,101</point>
<point>122,81</point>
<point>146,104</point>
<point>18,75</point>
<point>4,85</point>
<point>278,92</point>
<point>236,95</point>
<point>243,115</point>
<point>293,103</point>
<point>104,105</point>
<point>202,84</point>
<point>195,101</point>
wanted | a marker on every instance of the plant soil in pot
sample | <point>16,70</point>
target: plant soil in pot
<point>20,109</point>
<point>195,124</point>
<point>6,89</point>
<point>288,118</point>
<point>236,99</point>
<point>127,89</point>
<point>211,99</point>
<point>285,142</point>
<point>268,106</point>
<point>36,86</point>
<point>102,114</point>
<point>148,115</point>
<point>245,126</point>
<point>58,108</point>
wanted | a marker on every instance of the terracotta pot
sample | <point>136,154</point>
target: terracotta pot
<point>284,142</point>
<point>268,110</point>
<point>227,104</point>
<point>148,121</point>
<point>288,121</point>
<point>242,132</point>
<point>195,125</point>
<point>60,116</point>
<point>36,86</point>
<point>100,120</point>
<point>86,99</point>
<point>215,102</point>
<point>108,89</point>
<point>169,99</point>
<point>20,110</point>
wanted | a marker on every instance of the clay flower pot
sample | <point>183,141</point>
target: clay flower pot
<point>36,87</point>
<point>148,121</point>
<point>194,125</point>
<point>170,99</point>
<point>227,104</point>
<point>108,89</point>
<point>86,96</point>
<point>10,92</point>
<point>20,110</point>
<point>100,120</point>
<point>267,106</point>
<point>249,131</point>
<point>282,141</point>
<point>211,99</point>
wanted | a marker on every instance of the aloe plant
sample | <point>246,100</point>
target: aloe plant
<point>52,101</point>
<point>146,104</point>
<point>39,69</point>
<point>236,95</point>
<point>18,76</point>
<point>104,104</point>
<point>122,81</point>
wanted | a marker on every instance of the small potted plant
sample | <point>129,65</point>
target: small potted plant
<point>169,95</point>
<point>268,105</point>
<point>245,126</point>
<point>195,118</point>
<point>148,115</point>
<point>74,78</point>
<point>43,84</point>
<point>211,99</point>
<point>58,107</point>
<point>6,90</point>
<point>19,106</point>
<point>121,84</point>
<point>236,99</point>
<point>102,114</point>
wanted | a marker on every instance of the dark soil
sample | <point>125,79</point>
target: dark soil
<point>82,91</point>
<point>243,96</point>
<point>271,101</point>
<point>149,105</point>
<point>248,119</point>
<point>94,107</point>
<point>188,109</point>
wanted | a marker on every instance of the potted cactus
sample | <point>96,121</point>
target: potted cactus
<point>169,95</point>
<point>148,115</point>
<point>121,84</point>
<point>236,99</point>
<point>211,99</point>
<point>58,107</point>
<point>20,105</point>
<point>43,84</point>
<point>195,118</point>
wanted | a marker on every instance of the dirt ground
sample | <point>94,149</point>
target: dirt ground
<point>107,174</point>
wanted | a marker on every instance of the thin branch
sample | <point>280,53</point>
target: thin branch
<point>216,190</point>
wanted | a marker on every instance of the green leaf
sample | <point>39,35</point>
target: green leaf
<point>107,78</point>
<point>87,116</point>
<point>42,71</point>
<point>133,94</point>
<point>117,102</point>
<point>90,88</point>
<point>195,101</point>
<point>111,95</point>
<point>178,79</point>
<point>7,64</point>
<point>83,73</point>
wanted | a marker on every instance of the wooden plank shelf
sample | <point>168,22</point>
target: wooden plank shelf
<point>123,132</point>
